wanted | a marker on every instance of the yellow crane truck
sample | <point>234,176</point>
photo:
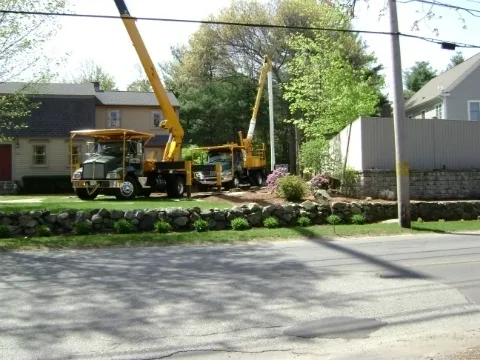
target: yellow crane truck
<point>117,165</point>
<point>241,163</point>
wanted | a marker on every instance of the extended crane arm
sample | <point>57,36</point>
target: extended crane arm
<point>267,66</point>
<point>171,122</point>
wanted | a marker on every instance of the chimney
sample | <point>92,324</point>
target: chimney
<point>96,86</point>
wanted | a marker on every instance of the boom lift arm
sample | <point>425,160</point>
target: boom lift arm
<point>267,66</point>
<point>171,122</point>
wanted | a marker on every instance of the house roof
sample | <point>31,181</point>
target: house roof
<point>132,98</point>
<point>444,83</point>
<point>48,89</point>
<point>119,98</point>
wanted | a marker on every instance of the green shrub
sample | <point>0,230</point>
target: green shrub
<point>201,225</point>
<point>240,224</point>
<point>83,228</point>
<point>292,188</point>
<point>162,227</point>
<point>271,222</point>
<point>44,231</point>
<point>358,219</point>
<point>420,220</point>
<point>333,219</point>
<point>48,184</point>
<point>123,226</point>
<point>4,231</point>
<point>304,221</point>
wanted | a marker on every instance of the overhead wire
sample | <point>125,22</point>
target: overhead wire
<point>471,11</point>
<point>232,23</point>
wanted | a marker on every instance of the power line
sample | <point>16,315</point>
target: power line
<point>215,22</point>
<point>450,6</point>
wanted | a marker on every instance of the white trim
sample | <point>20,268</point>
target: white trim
<point>32,163</point>
<point>109,113</point>
<point>437,115</point>
<point>468,108</point>
<point>466,74</point>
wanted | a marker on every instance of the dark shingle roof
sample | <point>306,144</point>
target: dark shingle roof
<point>125,98</point>
<point>132,98</point>
<point>444,82</point>
<point>48,89</point>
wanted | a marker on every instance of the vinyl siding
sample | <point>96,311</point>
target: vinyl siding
<point>429,108</point>
<point>457,102</point>
<point>57,151</point>
<point>136,118</point>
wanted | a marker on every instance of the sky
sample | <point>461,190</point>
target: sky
<point>107,43</point>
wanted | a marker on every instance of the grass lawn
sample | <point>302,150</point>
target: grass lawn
<point>230,236</point>
<point>56,203</point>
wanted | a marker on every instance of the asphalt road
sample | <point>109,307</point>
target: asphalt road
<point>408,297</point>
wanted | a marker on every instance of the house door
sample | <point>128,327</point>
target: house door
<point>5,162</point>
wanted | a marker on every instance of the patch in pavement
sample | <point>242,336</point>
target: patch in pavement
<point>341,327</point>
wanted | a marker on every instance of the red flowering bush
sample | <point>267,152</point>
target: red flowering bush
<point>320,182</point>
<point>272,179</point>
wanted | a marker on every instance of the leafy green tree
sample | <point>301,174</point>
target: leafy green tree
<point>22,57</point>
<point>222,52</point>
<point>324,89</point>
<point>89,72</point>
<point>455,60</point>
<point>417,76</point>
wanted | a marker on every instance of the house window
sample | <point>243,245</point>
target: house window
<point>39,155</point>
<point>114,119</point>
<point>423,114</point>
<point>76,156</point>
<point>157,117</point>
<point>474,110</point>
<point>438,111</point>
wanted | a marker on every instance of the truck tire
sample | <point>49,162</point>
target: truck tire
<point>82,194</point>
<point>129,190</point>
<point>175,187</point>
<point>234,184</point>
<point>259,179</point>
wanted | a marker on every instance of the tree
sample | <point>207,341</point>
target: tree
<point>89,72</point>
<point>22,57</point>
<point>141,83</point>
<point>455,60</point>
<point>223,52</point>
<point>324,89</point>
<point>417,76</point>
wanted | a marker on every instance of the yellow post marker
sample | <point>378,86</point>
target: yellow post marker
<point>188,175</point>
<point>218,169</point>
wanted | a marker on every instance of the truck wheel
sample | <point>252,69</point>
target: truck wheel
<point>175,187</point>
<point>258,178</point>
<point>234,184</point>
<point>82,194</point>
<point>128,190</point>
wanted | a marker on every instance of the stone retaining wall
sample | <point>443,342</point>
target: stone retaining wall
<point>424,185</point>
<point>102,220</point>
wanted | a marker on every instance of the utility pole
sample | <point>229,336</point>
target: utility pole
<point>270,108</point>
<point>402,166</point>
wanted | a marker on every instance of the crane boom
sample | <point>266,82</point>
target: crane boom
<point>171,122</point>
<point>267,66</point>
